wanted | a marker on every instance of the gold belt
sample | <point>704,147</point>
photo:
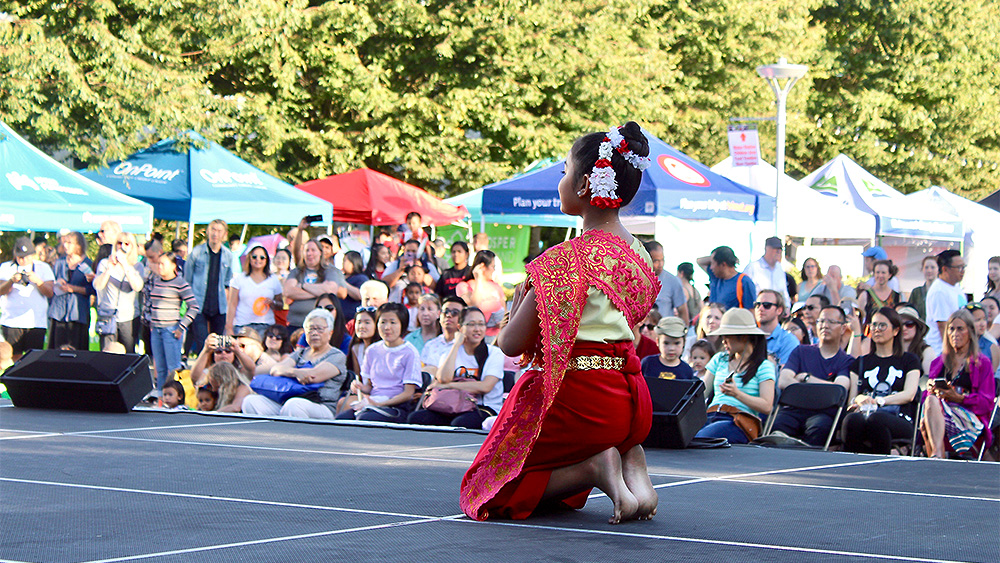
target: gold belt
<point>583,363</point>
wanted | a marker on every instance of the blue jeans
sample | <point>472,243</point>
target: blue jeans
<point>721,425</point>
<point>166,352</point>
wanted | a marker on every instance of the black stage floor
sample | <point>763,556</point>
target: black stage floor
<point>152,486</point>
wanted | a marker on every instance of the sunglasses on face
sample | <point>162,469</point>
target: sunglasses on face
<point>451,312</point>
<point>766,306</point>
<point>275,336</point>
<point>649,326</point>
<point>330,307</point>
<point>909,324</point>
<point>258,257</point>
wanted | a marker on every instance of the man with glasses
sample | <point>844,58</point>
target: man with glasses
<point>436,348</point>
<point>768,310</point>
<point>826,364</point>
<point>945,296</point>
<point>810,312</point>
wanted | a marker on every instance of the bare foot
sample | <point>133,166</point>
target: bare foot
<point>636,478</point>
<point>607,472</point>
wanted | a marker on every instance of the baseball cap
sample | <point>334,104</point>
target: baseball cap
<point>23,247</point>
<point>875,252</point>
<point>671,326</point>
<point>325,238</point>
<point>773,242</point>
<point>247,332</point>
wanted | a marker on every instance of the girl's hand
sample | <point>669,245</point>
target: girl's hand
<point>459,338</point>
<point>729,389</point>
<point>178,332</point>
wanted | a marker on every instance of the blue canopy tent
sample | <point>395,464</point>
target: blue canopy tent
<point>675,185</point>
<point>38,193</point>
<point>208,183</point>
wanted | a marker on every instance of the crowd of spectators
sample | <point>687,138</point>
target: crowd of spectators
<point>403,332</point>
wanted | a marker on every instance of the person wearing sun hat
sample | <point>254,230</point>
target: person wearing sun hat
<point>743,380</point>
<point>914,331</point>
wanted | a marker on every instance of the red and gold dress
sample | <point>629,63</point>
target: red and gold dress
<point>556,416</point>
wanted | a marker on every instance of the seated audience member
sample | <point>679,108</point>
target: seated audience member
<point>373,294</point>
<point>742,379</point>
<point>435,349</point>
<point>231,386</point>
<point>824,364</point>
<point>913,332</point>
<point>882,383</point>
<point>645,343</point>
<point>173,395</point>
<point>702,352</point>
<point>390,373</point>
<point>709,321</point>
<point>276,343</point>
<point>962,392</point>
<point>481,368</point>
<point>218,349</point>
<point>249,352</point>
<point>428,323</point>
<point>987,344</point>
<point>354,273</point>
<point>318,363</point>
<point>797,328</point>
<point>340,338</point>
<point>670,332</point>
<point>207,398</point>
<point>768,310</point>
<point>364,336</point>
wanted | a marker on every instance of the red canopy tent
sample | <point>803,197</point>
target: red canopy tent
<point>371,198</point>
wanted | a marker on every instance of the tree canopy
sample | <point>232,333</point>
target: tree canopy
<point>454,95</point>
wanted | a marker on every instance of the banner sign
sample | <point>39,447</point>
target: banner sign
<point>744,145</point>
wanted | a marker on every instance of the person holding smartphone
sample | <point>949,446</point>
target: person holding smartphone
<point>118,282</point>
<point>961,393</point>
<point>26,285</point>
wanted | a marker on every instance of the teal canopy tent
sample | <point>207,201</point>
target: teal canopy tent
<point>37,193</point>
<point>207,182</point>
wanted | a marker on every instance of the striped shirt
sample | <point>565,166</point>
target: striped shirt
<point>164,303</point>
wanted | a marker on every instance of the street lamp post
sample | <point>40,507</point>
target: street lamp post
<point>774,74</point>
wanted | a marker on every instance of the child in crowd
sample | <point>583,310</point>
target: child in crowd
<point>390,371</point>
<point>207,398</point>
<point>173,395</point>
<point>670,334</point>
<point>411,298</point>
<point>6,355</point>
<point>701,352</point>
<point>231,386</point>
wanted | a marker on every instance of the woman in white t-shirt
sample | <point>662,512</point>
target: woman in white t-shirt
<point>482,367</point>
<point>253,295</point>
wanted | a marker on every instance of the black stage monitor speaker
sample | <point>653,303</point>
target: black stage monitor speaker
<point>78,380</point>
<point>678,411</point>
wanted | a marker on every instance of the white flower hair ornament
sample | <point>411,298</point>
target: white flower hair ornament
<point>603,186</point>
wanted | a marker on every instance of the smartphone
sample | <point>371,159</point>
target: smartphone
<point>729,379</point>
<point>941,383</point>
<point>313,218</point>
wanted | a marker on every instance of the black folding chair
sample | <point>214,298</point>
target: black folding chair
<point>813,397</point>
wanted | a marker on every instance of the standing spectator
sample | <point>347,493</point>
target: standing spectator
<point>154,250</point>
<point>451,277</point>
<point>354,275</point>
<point>886,379</point>
<point>993,277</point>
<point>725,284</point>
<point>825,364</point>
<point>44,252</point>
<point>708,322</point>
<point>833,287</point>
<point>69,309</point>
<point>918,297</point>
<point>253,295</point>
<point>685,273</point>
<point>109,233</point>
<point>810,312</point>
<point>380,257</point>
<point>236,249</point>
<point>480,290</point>
<point>282,263</point>
<point>25,288</point>
<point>179,247</point>
<point>944,296</point>
<point>766,271</point>
<point>480,242</point>
<point>671,300</point>
<point>165,322</point>
<point>768,310</point>
<point>411,255</point>
<point>878,294</point>
<point>118,283</point>
<point>208,271</point>
<point>414,230</point>
<point>872,255</point>
<point>812,279</point>
<point>333,255</point>
<point>309,280</point>
<point>958,408</point>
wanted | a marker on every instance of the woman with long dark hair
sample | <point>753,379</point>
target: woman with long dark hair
<point>883,384</point>
<point>913,333</point>
<point>993,277</point>
<point>879,295</point>
<point>309,280</point>
<point>354,273</point>
<point>481,366</point>
<point>961,393</point>
<point>254,294</point>
<point>380,256</point>
<point>743,379</point>
<point>481,291</point>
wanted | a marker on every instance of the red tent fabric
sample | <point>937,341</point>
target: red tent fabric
<point>372,198</point>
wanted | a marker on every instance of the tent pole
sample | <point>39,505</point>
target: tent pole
<point>243,235</point>
<point>177,230</point>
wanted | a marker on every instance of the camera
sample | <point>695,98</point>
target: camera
<point>224,342</point>
<point>23,280</point>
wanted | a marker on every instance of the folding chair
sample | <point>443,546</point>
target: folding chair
<point>915,409</point>
<point>814,397</point>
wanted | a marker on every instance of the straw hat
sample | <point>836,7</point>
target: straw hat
<point>737,321</point>
<point>911,313</point>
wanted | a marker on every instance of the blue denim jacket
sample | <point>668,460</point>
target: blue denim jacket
<point>196,273</point>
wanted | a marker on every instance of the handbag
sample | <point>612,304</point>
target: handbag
<point>105,325</point>
<point>279,388</point>
<point>449,401</point>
